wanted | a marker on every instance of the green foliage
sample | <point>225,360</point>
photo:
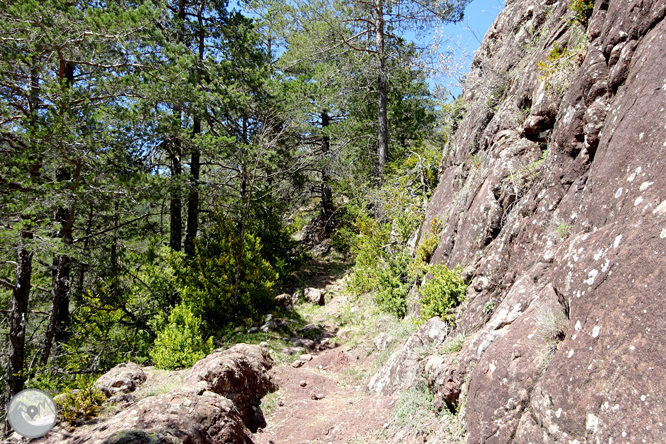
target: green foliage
<point>476,160</point>
<point>80,404</point>
<point>496,94</point>
<point>563,230</point>
<point>559,66</point>
<point>393,285</point>
<point>582,10</point>
<point>454,345</point>
<point>441,293</point>
<point>524,176</point>
<point>180,343</point>
<point>489,306</point>
<point>414,408</point>
<point>425,251</point>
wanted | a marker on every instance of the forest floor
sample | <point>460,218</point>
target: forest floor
<point>325,399</point>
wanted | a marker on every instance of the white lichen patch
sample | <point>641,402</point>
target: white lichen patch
<point>661,209</point>
<point>571,353</point>
<point>592,423</point>
<point>631,177</point>
<point>590,277</point>
<point>578,327</point>
<point>618,193</point>
<point>638,201</point>
<point>595,331</point>
<point>616,242</point>
<point>645,185</point>
<point>663,234</point>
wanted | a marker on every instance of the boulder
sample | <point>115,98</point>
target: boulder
<point>382,341</point>
<point>562,227</point>
<point>286,300</point>
<point>315,296</point>
<point>402,368</point>
<point>215,404</point>
<point>239,374</point>
<point>122,378</point>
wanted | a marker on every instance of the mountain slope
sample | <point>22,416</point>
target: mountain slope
<point>552,196</point>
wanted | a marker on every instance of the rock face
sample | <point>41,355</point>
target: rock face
<point>401,369</point>
<point>315,296</point>
<point>122,378</point>
<point>552,194</point>
<point>216,404</point>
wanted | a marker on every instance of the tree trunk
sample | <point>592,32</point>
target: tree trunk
<point>195,165</point>
<point>382,142</point>
<point>17,318</point>
<point>327,208</point>
<point>175,207</point>
<point>193,197</point>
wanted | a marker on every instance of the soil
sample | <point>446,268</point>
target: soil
<point>334,405</point>
<point>343,413</point>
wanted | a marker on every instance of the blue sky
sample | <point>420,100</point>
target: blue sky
<point>463,39</point>
<point>458,42</point>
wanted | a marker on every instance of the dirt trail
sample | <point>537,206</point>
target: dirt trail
<point>325,400</point>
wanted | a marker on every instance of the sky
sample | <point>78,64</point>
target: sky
<point>459,42</point>
<point>454,45</point>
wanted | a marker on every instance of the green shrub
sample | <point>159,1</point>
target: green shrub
<point>454,345</point>
<point>180,343</point>
<point>80,404</point>
<point>393,285</point>
<point>414,408</point>
<point>563,230</point>
<point>207,280</point>
<point>427,248</point>
<point>582,10</point>
<point>441,293</point>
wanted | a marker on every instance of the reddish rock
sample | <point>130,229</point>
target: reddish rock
<point>122,378</point>
<point>216,404</point>
<point>239,374</point>
<point>401,370</point>
<point>580,235</point>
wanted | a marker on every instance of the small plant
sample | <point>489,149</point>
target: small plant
<point>454,345</point>
<point>427,248</point>
<point>489,306</point>
<point>476,160</point>
<point>563,230</point>
<point>559,66</point>
<point>180,343</point>
<point>270,402</point>
<point>414,408</point>
<point>80,404</point>
<point>582,10</point>
<point>551,326</point>
<point>525,175</point>
<point>524,113</point>
<point>443,292</point>
<point>496,94</point>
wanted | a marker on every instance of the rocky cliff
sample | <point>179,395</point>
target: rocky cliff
<point>552,195</point>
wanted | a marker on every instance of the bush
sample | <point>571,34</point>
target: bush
<point>80,404</point>
<point>207,280</point>
<point>393,285</point>
<point>582,10</point>
<point>180,343</point>
<point>441,293</point>
<point>414,408</point>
